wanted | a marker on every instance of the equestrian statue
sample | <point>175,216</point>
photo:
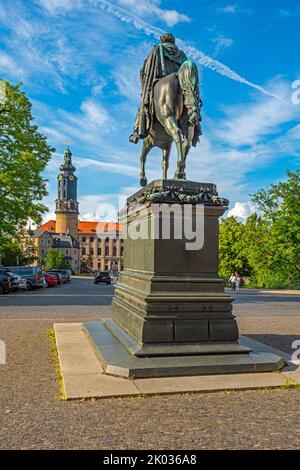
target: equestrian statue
<point>170,106</point>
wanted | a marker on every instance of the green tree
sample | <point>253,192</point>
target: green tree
<point>55,259</point>
<point>17,252</point>
<point>267,245</point>
<point>279,229</point>
<point>24,153</point>
<point>231,248</point>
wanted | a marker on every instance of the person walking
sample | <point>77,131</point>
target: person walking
<point>232,281</point>
<point>237,281</point>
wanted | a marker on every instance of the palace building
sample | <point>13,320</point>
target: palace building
<point>97,245</point>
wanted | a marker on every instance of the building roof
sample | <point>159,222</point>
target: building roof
<point>86,227</point>
<point>40,233</point>
<point>64,241</point>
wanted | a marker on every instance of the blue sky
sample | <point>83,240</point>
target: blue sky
<point>79,61</point>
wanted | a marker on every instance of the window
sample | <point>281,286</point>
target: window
<point>43,251</point>
<point>67,251</point>
<point>99,265</point>
<point>99,251</point>
<point>75,261</point>
<point>83,251</point>
<point>75,252</point>
<point>106,251</point>
<point>91,252</point>
<point>84,239</point>
<point>67,262</point>
<point>91,239</point>
<point>114,251</point>
<point>106,239</point>
<point>64,194</point>
<point>122,249</point>
<point>49,241</point>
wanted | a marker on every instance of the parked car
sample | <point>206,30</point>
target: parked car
<point>51,280</point>
<point>58,276</point>
<point>32,274</point>
<point>5,284</point>
<point>12,279</point>
<point>86,269</point>
<point>17,281</point>
<point>66,274</point>
<point>22,282</point>
<point>102,276</point>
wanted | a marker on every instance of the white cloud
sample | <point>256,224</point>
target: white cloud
<point>94,113</point>
<point>221,43</point>
<point>228,9</point>
<point>151,7</point>
<point>8,65</point>
<point>55,5</point>
<point>241,210</point>
<point>248,124</point>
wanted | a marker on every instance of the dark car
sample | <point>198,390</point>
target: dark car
<point>32,274</point>
<point>102,276</point>
<point>13,279</point>
<point>66,274</point>
<point>5,283</point>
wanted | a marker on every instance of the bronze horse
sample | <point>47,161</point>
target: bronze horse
<point>177,118</point>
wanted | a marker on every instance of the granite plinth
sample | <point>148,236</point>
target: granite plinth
<point>116,360</point>
<point>169,299</point>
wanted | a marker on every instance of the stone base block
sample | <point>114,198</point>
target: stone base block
<point>116,360</point>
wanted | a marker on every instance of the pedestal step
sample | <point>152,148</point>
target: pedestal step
<point>174,348</point>
<point>116,360</point>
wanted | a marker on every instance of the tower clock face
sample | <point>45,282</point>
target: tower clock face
<point>71,177</point>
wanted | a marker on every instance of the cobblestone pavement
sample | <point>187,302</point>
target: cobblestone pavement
<point>33,417</point>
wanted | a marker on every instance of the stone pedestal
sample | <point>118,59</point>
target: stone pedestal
<point>169,306</point>
<point>169,299</point>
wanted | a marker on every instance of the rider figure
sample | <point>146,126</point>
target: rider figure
<point>165,58</point>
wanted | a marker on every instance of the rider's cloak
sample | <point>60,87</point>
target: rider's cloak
<point>152,70</point>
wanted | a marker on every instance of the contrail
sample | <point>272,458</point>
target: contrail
<point>199,56</point>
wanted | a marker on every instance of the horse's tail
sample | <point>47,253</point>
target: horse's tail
<point>189,82</point>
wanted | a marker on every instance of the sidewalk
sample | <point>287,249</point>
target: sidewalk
<point>266,291</point>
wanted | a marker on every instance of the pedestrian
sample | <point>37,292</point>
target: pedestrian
<point>237,281</point>
<point>232,281</point>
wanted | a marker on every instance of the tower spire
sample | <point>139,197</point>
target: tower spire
<point>68,154</point>
<point>66,202</point>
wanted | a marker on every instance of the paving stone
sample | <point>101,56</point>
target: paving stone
<point>98,385</point>
<point>38,419</point>
<point>209,383</point>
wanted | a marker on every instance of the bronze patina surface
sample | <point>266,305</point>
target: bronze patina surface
<point>170,106</point>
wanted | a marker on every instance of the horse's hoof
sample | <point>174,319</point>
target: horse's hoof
<point>143,181</point>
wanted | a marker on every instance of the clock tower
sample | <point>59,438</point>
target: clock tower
<point>66,203</point>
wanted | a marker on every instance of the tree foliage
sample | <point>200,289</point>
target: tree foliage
<point>267,245</point>
<point>24,153</point>
<point>55,259</point>
<point>17,252</point>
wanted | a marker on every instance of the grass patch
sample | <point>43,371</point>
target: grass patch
<point>290,385</point>
<point>54,357</point>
